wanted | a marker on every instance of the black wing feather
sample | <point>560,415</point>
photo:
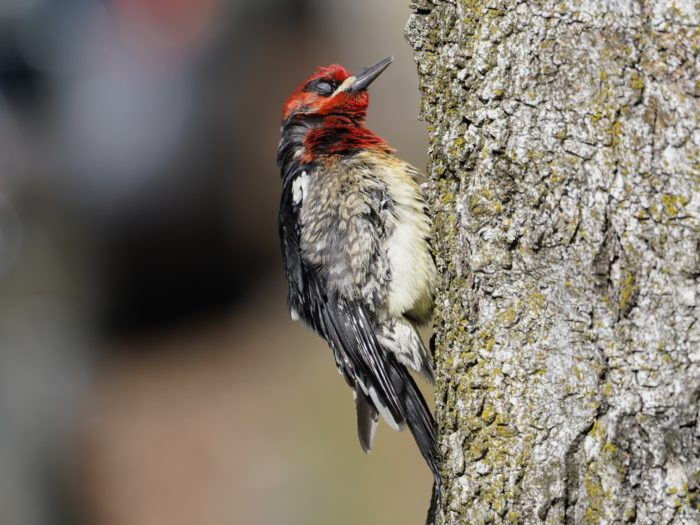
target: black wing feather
<point>345,325</point>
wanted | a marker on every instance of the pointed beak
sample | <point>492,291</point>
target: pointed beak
<point>365,77</point>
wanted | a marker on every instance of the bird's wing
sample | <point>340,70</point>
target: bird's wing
<point>344,323</point>
<point>366,419</point>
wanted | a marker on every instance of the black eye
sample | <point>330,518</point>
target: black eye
<point>321,86</point>
<point>324,88</point>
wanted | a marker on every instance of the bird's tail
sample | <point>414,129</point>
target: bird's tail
<point>421,424</point>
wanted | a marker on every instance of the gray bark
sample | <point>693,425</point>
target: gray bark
<point>565,180</point>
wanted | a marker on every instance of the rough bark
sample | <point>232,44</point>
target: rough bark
<point>565,179</point>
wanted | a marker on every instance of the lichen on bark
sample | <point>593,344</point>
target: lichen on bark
<point>565,195</point>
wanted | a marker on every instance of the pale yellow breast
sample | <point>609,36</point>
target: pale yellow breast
<point>412,284</point>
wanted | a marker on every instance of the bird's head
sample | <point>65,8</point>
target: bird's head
<point>332,91</point>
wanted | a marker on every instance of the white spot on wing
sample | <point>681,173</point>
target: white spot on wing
<point>300,187</point>
<point>362,385</point>
<point>383,410</point>
<point>372,433</point>
<point>295,314</point>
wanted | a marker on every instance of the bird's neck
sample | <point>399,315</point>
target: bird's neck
<point>291,146</point>
<point>307,139</point>
<point>341,135</point>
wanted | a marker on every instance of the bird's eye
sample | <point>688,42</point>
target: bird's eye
<point>321,87</point>
<point>324,88</point>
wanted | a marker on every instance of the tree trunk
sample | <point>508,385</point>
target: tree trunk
<point>565,190</point>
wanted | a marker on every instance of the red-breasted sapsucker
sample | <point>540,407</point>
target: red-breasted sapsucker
<point>354,233</point>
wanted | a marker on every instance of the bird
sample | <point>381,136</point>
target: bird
<point>354,231</point>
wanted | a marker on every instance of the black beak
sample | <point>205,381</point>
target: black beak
<point>365,77</point>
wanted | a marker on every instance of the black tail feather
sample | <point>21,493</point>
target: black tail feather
<point>431,519</point>
<point>421,424</point>
<point>418,417</point>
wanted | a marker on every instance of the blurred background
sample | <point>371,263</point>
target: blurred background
<point>149,371</point>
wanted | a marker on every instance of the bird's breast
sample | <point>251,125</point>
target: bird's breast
<point>411,289</point>
<point>363,224</point>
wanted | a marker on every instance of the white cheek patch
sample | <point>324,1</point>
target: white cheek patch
<point>300,187</point>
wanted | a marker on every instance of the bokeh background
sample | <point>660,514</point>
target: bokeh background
<point>149,371</point>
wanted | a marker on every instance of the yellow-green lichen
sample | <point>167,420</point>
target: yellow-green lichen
<point>595,498</point>
<point>637,82</point>
<point>535,301</point>
<point>673,203</point>
<point>488,414</point>
<point>507,316</point>
<point>628,290</point>
<point>615,132</point>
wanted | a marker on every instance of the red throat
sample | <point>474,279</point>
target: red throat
<point>339,135</point>
<point>335,121</point>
